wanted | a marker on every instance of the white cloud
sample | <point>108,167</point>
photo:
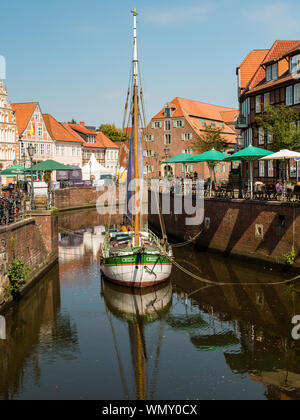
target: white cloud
<point>279,18</point>
<point>174,14</point>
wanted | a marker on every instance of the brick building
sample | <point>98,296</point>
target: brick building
<point>175,128</point>
<point>264,77</point>
<point>9,151</point>
<point>32,130</point>
<point>105,151</point>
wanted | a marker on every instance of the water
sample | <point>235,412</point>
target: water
<point>75,336</point>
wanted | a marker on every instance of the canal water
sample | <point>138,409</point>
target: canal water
<point>76,336</point>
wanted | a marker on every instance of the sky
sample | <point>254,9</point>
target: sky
<point>74,56</point>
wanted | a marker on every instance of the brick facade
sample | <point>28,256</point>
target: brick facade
<point>184,128</point>
<point>257,91</point>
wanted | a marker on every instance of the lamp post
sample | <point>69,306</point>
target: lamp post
<point>167,151</point>
<point>31,150</point>
<point>90,163</point>
<point>240,144</point>
<point>156,160</point>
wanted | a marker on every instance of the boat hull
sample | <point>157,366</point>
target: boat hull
<point>137,270</point>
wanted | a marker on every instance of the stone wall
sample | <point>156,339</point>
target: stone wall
<point>261,230</point>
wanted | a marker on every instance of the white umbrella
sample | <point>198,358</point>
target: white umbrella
<point>286,155</point>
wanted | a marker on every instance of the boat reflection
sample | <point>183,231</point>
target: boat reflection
<point>138,307</point>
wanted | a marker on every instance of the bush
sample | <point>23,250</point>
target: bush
<point>17,274</point>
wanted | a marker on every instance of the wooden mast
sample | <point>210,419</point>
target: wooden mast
<point>136,134</point>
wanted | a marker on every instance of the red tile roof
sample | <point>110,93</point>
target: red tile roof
<point>57,130</point>
<point>189,107</point>
<point>82,129</point>
<point>107,143</point>
<point>279,47</point>
<point>23,113</point>
<point>281,50</point>
<point>101,141</point>
<point>250,65</point>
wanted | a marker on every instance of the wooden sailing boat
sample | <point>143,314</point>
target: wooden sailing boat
<point>135,258</point>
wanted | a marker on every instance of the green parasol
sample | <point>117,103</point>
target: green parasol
<point>13,171</point>
<point>250,153</point>
<point>49,165</point>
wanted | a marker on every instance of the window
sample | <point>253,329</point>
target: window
<point>222,125</point>
<point>167,112</point>
<point>270,168</point>
<point>269,137</point>
<point>167,138</point>
<point>272,72</point>
<point>57,150</point>
<point>293,94</point>
<point>203,123</point>
<point>73,151</point>
<point>62,150</point>
<point>266,98</point>
<point>261,168</point>
<point>289,95</point>
<point>78,151</point>
<point>293,168</point>
<point>156,124</point>
<point>269,73</point>
<point>37,117</point>
<point>186,136</point>
<point>167,125</point>
<point>261,135</point>
<point>42,149</point>
<point>178,123</point>
<point>148,137</point>
<point>258,103</point>
<point>297,94</point>
<point>40,131</point>
<point>48,149</point>
<point>213,124</point>
<point>295,64</point>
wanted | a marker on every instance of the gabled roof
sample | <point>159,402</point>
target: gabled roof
<point>198,109</point>
<point>101,141</point>
<point>281,50</point>
<point>195,111</point>
<point>58,132</point>
<point>23,114</point>
<point>250,65</point>
<point>278,48</point>
<point>106,142</point>
<point>82,129</point>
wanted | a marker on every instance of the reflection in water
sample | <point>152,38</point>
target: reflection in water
<point>221,342</point>
<point>34,320</point>
<point>138,308</point>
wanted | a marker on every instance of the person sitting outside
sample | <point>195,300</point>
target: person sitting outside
<point>279,187</point>
<point>258,185</point>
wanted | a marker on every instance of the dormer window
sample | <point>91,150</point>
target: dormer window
<point>295,64</point>
<point>272,72</point>
<point>167,112</point>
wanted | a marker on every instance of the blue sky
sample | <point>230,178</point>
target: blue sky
<point>74,56</point>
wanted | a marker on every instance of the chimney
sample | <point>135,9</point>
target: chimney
<point>82,123</point>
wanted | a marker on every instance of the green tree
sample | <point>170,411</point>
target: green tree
<point>113,133</point>
<point>281,121</point>
<point>211,139</point>
<point>72,122</point>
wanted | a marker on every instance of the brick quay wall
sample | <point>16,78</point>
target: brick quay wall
<point>260,230</point>
<point>33,240</point>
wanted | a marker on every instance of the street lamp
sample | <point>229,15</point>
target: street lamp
<point>90,163</point>
<point>31,150</point>
<point>240,145</point>
<point>167,151</point>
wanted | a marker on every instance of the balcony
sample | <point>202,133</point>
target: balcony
<point>241,122</point>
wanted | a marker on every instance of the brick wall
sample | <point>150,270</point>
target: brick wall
<point>34,240</point>
<point>75,197</point>
<point>260,230</point>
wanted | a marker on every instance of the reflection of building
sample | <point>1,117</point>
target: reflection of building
<point>36,318</point>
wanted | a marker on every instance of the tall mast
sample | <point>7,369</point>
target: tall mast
<point>136,132</point>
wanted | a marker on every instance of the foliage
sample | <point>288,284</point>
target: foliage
<point>72,121</point>
<point>211,139</point>
<point>113,133</point>
<point>17,274</point>
<point>290,257</point>
<point>281,121</point>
